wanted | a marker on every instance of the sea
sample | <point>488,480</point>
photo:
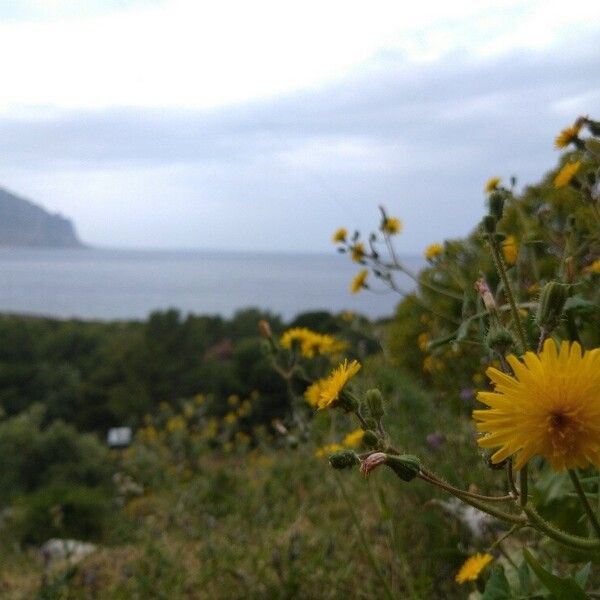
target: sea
<point>107,284</point>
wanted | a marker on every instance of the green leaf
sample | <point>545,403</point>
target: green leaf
<point>497,587</point>
<point>580,303</point>
<point>524,577</point>
<point>562,588</point>
<point>582,575</point>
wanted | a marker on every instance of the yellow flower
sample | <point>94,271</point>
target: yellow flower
<point>354,438</point>
<point>358,252</point>
<point>568,135</point>
<point>510,249</point>
<point>550,407</point>
<point>422,341</point>
<point>492,184</point>
<point>566,174</point>
<point>245,408</point>
<point>594,267</point>
<point>333,385</point>
<point>328,449</point>
<point>310,342</point>
<point>358,283</point>
<point>428,364</point>
<point>391,225</point>
<point>176,423</point>
<point>472,567</point>
<point>230,418</point>
<point>433,251</point>
<point>233,400</point>
<point>312,394</point>
<point>339,236</point>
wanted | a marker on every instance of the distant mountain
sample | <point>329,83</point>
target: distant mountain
<point>23,223</point>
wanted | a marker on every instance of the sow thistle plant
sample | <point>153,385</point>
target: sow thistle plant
<point>519,299</point>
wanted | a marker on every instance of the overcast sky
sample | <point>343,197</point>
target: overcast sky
<point>265,125</point>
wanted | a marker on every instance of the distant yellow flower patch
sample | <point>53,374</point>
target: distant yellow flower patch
<point>472,567</point>
<point>566,174</point>
<point>310,342</point>
<point>510,250</point>
<point>391,225</point>
<point>358,252</point>
<point>567,135</point>
<point>334,384</point>
<point>433,251</point>
<point>358,283</point>
<point>594,267</point>
<point>328,449</point>
<point>492,184</point>
<point>339,236</point>
<point>354,438</point>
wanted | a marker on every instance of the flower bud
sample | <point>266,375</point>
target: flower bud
<point>406,466</point>
<point>551,305</point>
<point>372,462</point>
<point>343,460</point>
<point>371,423</point>
<point>370,439</point>
<point>265,329</point>
<point>486,295</point>
<point>489,224</point>
<point>499,339</point>
<point>374,401</point>
<point>496,202</point>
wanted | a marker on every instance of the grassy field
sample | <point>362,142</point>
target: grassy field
<point>275,521</point>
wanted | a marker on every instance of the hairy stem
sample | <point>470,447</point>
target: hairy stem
<point>584,501</point>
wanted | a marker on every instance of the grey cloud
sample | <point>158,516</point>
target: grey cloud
<point>426,107</point>
<point>440,129</point>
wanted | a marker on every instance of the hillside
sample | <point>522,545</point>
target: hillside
<point>23,223</point>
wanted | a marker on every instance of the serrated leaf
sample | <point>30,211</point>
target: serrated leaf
<point>562,588</point>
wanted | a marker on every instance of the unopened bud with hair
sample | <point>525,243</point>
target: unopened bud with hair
<point>406,466</point>
<point>371,439</point>
<point>484,291</point>
<point>265,329</point>
<point>499,339</point>
<point>551,306</point>
<point>489,224</point>
<point>372,462</point>
<point>496,201</point>
<point>343,460</point>
<point>374,401</point>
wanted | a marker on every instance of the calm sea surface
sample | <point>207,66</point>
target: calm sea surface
<point>127,284</point>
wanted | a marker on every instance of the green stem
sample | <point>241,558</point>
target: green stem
<point>363,539</point>
<point>501,268</point>
<point>484,507</point>
<point>435,480</point>
<point>573,541</point>
<point>523,492</point>
<point>584,501</point>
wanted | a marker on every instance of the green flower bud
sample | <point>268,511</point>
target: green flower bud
<point>496,202</point>
<point>551,305</point>
<point>343,460</point>
<point>498,338</point>
<point>489,224</point>
<point>370,439</point>
<point>374,401</point>
<point>371,423</point>
<point>348,402</point>
<point>406,466</point>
